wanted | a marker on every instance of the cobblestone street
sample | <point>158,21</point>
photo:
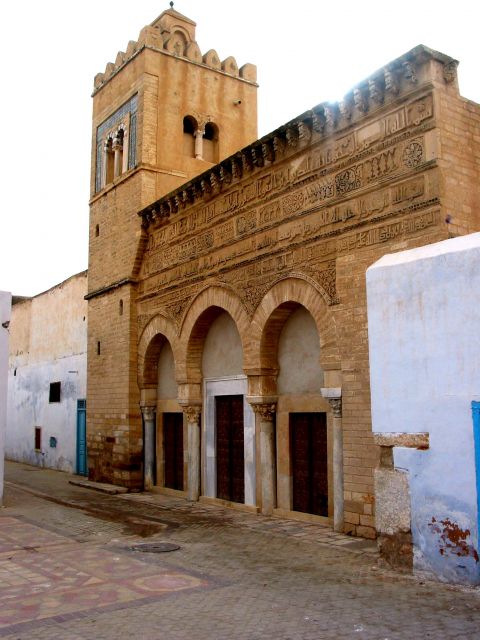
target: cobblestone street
<point>69,570</point>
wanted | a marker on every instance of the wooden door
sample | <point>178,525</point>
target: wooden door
<point>230,448</point>
<point>173,450</point>
<point>308,455</point>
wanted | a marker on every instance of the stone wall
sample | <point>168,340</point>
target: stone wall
<point>288,224</point>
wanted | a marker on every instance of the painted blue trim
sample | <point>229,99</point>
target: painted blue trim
<point>476,441</point>
<point>82,437</point>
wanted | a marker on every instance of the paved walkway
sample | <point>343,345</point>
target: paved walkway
<point>70,569</point>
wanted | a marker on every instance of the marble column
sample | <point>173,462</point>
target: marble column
<point>149,430</point>
<point>336,407</point>
<point>266,415</point>
<point>199,144</point>
<point>193,450</point>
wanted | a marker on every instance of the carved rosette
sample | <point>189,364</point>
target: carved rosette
<point>266,410</point>
<point>148,413</point>
<point>193,413</point>
<point>336,406</point>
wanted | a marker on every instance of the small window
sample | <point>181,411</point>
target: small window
<point>38,438</point>
<point>120,307</point>
<point>98,348</point>
<point>210,142</point>
<point>189,129</point>
<point>54,392</point>
<point>97,230</point>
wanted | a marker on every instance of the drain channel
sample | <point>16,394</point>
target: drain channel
<point>155,547</point>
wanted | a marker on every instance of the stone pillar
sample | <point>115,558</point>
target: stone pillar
<point>199,144</point>
<point>334,397</point>
<point>118,156</point>
<point>193,450</point>
<point>149,430</point>
<point>266,413</point>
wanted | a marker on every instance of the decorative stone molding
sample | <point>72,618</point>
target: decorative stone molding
<point>450,71</point>
<point>334,397</point>
<point>148,413</point>
<point>410,440</point>
<point>193,413</point>
<point>266,411</point>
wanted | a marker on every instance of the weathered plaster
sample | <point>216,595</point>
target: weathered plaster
<point>5,310</point>
<point>48,344</point>
<point>423,318</point>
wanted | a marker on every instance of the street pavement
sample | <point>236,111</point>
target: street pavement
<point>71,569</point>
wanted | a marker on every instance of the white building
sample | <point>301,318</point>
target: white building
<point>424,336</point>
<point>47,378</point>
<point>5,307</point>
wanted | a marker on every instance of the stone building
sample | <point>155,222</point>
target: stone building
<point>228,350</point>
<point>47,376</point>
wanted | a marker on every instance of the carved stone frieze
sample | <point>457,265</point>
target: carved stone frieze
<point>326,276</point>
<point>177,309</point>
<point>413,154</point>
<point>450,71</point>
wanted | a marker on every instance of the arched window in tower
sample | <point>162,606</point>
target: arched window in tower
<point>109,160</point>
<point>210,143</point>
<point>189,130</point>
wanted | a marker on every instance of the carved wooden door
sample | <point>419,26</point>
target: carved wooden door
<point>173,450</point>
<point>308,455</point>
<point>230,450</point>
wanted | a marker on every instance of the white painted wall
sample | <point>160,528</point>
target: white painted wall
<point>424,341</point>
<point>5,310</point>
<point>48,343</point>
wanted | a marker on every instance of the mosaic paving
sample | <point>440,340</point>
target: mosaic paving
<point>44,575</point>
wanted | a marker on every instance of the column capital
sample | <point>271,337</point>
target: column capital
<point>148,412</point>
<point>334,397</point>
<point>192,411</point>
<point>335,406</point>
<point>266,410</point>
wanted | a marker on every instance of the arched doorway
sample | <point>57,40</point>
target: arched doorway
<point>229,426</point>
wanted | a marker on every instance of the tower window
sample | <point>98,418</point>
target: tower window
<point>120,307</point>
<point>116,141</point>
<point>210,143</point>
<point>54,395</point>
<point>189,130</point>
<point>97,230</point>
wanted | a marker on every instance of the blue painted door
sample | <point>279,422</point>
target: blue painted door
<point>82,437</point>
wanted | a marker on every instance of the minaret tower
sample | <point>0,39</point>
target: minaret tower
<point>162,113</point>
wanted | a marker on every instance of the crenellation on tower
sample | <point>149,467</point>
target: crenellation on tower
<point>174,34</point>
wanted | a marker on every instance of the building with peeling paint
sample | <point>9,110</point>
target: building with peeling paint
<point>47,378</point>
<point>5,310</point>
<point>423,327</point>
